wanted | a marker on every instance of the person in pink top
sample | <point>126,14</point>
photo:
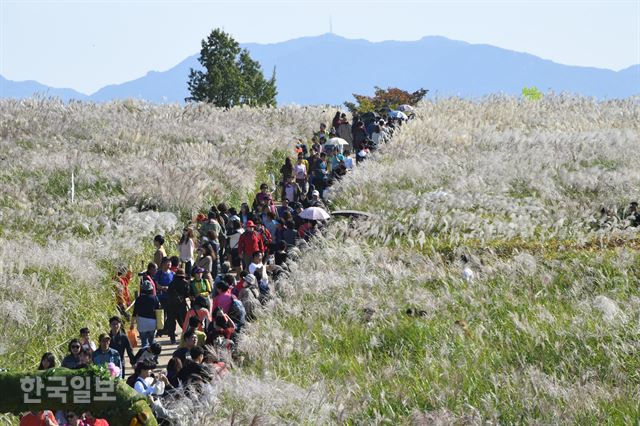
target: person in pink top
<point>224,298</point>
<point>200,309</point>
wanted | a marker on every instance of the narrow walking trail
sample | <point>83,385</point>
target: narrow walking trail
<point>168,349</point>
<point>216,279</point>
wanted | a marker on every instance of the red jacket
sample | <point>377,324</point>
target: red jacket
<point>303,229</point>
<point>38,419</point>
<point>249,243</point>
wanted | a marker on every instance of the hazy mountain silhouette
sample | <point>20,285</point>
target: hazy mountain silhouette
<point>329,68</point>
<point>25,89</point>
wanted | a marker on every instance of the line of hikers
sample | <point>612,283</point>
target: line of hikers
<point>219,278</point>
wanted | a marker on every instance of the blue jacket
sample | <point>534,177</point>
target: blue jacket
<point>104,358</point>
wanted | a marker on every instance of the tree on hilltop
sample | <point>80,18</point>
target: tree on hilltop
<point>258,91</point>
<point>230,76</point>
<point>385,98</point>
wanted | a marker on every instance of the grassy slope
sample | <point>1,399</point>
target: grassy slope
<point>58,257</point>
<point>546,332</point>
<point>540,344</point>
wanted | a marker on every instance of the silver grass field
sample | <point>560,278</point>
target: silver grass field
<point>138,170</point>
<point>496,283</point>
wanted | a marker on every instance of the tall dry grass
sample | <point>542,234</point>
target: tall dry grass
<point>139,169</point>
<point>489,288</point>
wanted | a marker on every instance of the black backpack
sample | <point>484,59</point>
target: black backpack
<point>237,313</point>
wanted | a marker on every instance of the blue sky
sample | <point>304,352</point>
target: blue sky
<point>88,44</point>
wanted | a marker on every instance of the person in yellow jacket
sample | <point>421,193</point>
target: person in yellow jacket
<point>200,286</point>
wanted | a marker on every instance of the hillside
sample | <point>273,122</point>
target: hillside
<point>138,170</point>
<point>523,298</point>
<point>26,89</point>
<point>327,69</point>
<point>496,282</point>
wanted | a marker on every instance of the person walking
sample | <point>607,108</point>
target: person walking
<point>144,314</point>
<point>207,257</point>
<point>344,129</point>
<point>162,279</point>
<point>201,310</point>
<point>158,242</point>
<point>85,340</point>
<point>292,192</point>
<point>234,238</point>
<point>301,173</point>
<point>177,302</point>
<point>199,286</point>
<point>186,248</point>
<point>249,296</point>
<point>120,342</point>
<point>104,354</point>
<point>286,172</point>
<point>250,242</point>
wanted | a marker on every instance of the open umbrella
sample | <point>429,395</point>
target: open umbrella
<point>337,141</point>
<point>398,114</point>
<point>405,108</point>
<point>314,213</point>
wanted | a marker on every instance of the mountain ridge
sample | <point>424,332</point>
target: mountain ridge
<point>328,68</point>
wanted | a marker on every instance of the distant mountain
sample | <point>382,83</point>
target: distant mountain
<point>160,87</point>
<point>25,89</point>
<point>327,69</point>
<point>632,73</point>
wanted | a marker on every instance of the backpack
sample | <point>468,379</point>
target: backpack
<point>237,312</point>
<point>205,320</point>
<point>266,237</point>
<point>265,292</point>
<point>222,238</point>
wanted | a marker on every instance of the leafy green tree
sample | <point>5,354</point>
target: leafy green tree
<point>532,93</point>
<point>230,77</point>
<point>257,90</point>
<point>391,97</point>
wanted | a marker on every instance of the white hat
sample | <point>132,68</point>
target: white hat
<point>315,193</point>
<point>250,279</point>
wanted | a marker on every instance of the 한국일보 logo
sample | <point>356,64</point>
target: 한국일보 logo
<point>76,390</point>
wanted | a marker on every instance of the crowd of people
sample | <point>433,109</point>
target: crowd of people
<point>219,277</point>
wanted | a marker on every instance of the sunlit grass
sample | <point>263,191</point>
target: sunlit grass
<point>129,159</point>
<point>545,330</point>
